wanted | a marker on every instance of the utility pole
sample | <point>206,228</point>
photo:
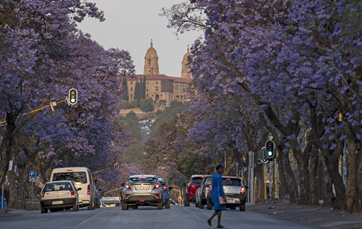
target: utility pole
<point>2,195</point>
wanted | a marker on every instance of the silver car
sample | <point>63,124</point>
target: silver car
<point>202,192</point>
<point>142,190</point>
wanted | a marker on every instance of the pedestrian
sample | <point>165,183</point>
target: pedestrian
<point>218,196</point>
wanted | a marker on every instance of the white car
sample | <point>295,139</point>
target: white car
<point>83,181</point>
<point>59,195</point>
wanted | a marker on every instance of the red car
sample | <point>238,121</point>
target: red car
<point>191,188</point>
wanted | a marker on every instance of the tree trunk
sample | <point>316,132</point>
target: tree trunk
<point>289,176</point>
<point>313,191</point>
<point>359,177</point>
<point>283,187</point>
<point>6,146</point>
<point>13,194</point>
<point>337,182</point>
<point>351,194</point>
<point>327,184</point>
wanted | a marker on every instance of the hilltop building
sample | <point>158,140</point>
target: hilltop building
<point>160,86</point>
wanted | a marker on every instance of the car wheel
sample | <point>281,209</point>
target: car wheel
<point>124,206</point>
<point>186,202</point>
<point>233,207</point>
<point>167,206</point>
<point>242,208</point>
<point>54,210</point>
<point>43,210</point>
<point>160,205</point>
<point>196,204</point>
<point>201,206</point>
<point>98,205</point>
<point>135,207</point>
<point>209,205</point>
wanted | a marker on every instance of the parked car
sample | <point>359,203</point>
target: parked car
<point>166,196</point>
<point>98,197</point>
<point>202,192</point>
<point>59,195</point>
<point>191,188</point>
<point>83,181</point>
<point>235,193</point>
<point>142,190</point>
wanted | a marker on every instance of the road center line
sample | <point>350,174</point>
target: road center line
<point>90,218</point>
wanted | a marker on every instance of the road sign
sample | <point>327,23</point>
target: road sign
<point>245,169</point>
<point>10,165</point>
<point>236,164</point>
<point>32,176</point>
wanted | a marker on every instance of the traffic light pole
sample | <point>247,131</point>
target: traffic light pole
<point>251,177</point>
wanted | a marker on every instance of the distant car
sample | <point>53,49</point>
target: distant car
<point>148,133</point>
<point>110,201</point>
<point>191,188</point>
<point>142,190</point>
<point>98,197</point>
<point>202,192</point>
<point>143,128</point>
<point>59,195</point>
<point>166,196</point>
<point>235,193</point>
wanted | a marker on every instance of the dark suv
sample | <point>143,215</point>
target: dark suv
<point>142,190</point>
<point>191,188</point>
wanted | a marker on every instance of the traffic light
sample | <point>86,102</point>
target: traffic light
<point>262,155</point>
<point>73,96</point>
<point>270,149</point>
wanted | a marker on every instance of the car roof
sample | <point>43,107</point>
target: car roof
<point>142,176</point>
<point>59,181</point>
<point>230,177</point>
<point>75,169</point>
<point>192,176</point>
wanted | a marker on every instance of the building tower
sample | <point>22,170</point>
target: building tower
<point>151,62</point>
<point>185,72</point>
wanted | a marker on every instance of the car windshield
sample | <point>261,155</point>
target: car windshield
<point>231,182</point>
<point>196,180</point>
<point>58,186</point>
<point>208,181</point>
<point>77,177</point>
<point>143,179</point>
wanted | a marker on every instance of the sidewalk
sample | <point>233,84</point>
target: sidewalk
<point>16,212</point>
<point>309,215</point>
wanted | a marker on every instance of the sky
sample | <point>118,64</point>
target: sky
<point>131,24</point>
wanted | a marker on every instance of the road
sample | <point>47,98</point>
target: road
<point>144,134</point>
<point>177,217</point>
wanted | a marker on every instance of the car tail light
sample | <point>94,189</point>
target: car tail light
<point>72,192</point>
<point>142,200</point>
<point>164,199</point>
<point>190,197</point>
<point>159,196</point>
<point>125,195</point>
<point>88,190</point>
<point>127,186</point>
<point>242,192</point>
<point>210,188</point>
<point>156,186</point>
<point>164,188</point>
<point>43,193</point>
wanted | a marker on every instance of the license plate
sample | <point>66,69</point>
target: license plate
<point>142,188</point>
<point>230,201</point>
<point>57,202</point>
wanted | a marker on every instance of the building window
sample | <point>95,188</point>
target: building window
<point>147,89</point>
<point>147,95</point>
<point>131,88</point>
<point>131,83</point>
<point>156,82</point>
<point>156,90</point>
<point>131,96</point>
<point>148,82</point>
<point>149,61</point>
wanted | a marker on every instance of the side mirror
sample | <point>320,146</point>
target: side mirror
<point>122,184</point>
<point>79,189</point>
<point>246,187</point>
<point>95,181</point>
<point>170,188</point>
<point>99,190</point>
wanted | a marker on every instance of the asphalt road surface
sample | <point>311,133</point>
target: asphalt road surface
<point>144,217</point>
<point>144,134</point>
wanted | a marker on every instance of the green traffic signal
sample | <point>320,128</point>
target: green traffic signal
<point>270,153</point>
<point>270,148</point>
<point>73,96</point>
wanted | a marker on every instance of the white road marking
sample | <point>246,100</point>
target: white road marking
<point>90,218</point>
<point>193,214</point>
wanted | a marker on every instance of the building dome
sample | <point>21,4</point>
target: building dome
<point>151,51</point>
<point>186,56</point>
